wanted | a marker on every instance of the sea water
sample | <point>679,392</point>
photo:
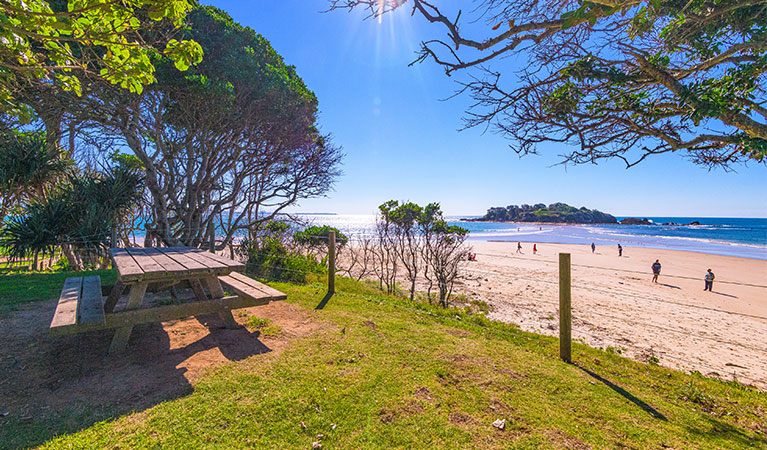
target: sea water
<point>740,237</point>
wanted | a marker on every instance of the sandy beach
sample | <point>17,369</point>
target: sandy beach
<point>615,304</point>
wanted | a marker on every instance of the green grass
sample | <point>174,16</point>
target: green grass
<point>264,326</point>
<point>389,373</point>
<point>23,287</point>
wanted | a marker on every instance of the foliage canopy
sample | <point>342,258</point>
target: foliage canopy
<point>63,42</point>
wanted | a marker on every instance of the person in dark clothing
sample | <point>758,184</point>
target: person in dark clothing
<point>535,249</point>
<point>655,271</point>
<point>620,250</point>
<point>593,247</point>
<point>709,281</point>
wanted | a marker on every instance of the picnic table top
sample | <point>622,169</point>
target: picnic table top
<point>144,264</point>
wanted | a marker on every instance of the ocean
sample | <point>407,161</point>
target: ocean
<point>746,238</point>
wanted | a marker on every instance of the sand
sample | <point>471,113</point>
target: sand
<point>615,304</point>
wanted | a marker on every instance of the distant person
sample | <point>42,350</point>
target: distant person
<point>535,249</point>
<point>620,250</point>
<point>540,228</point>
<point>593,247</point>
<point>519,247</point>
<point>709,281</point>
<point>655,270</point>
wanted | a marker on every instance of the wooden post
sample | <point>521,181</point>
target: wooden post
<point>114,235</point>
<point>565,314</point>
<point>212,236</point>
<point>120,339</point>
<point>332,262</point>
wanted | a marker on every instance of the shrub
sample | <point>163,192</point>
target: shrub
<point>315,239</point>
<point>270,259</point>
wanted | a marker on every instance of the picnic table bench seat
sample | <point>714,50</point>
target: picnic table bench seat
<point>80,303</point>
<point>82,307</point>
<point>257,293</point>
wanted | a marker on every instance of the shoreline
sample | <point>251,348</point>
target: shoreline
<point>625,247</point>
<point>615,304</point>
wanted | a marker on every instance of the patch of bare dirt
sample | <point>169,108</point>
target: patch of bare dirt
<point>43,374</point>
<point>423,393</point>
<point>460,419</point>
<point>560,439</point>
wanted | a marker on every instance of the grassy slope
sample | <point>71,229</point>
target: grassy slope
<point>389,376</point>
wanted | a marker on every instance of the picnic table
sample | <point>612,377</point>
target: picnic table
<point>82,308</point>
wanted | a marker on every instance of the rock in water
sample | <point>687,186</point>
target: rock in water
<point>500,424</point>
<point>635,221</point>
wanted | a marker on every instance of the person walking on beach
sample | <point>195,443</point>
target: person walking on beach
<point>519,247</point>
<point>709,281</point>
<point>593,247</point>
<point>655,271</point>
<point>535,249</point>
<point>620,250</point>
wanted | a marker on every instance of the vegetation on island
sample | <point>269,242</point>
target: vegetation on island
<point>622,79</point>
<point>554,213</point>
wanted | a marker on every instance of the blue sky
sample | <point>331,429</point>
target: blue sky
<point>402,142</point>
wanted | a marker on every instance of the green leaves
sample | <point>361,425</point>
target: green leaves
<point>80,212</point>
<point>183,53</point>
<point>90,38</point>
<point>588,12</point>
<point>318,236</point>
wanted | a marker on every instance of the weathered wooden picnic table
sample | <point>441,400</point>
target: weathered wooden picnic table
<point>81,308</point>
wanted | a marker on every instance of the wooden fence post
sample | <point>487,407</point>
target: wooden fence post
<point>114,235</point>
<point>332,262</point>
<point>565,314</point>
<point>212,236</point>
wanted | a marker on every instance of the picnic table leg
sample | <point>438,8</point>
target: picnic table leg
<point>114,297</point>
<point>216,291</point>
<point>199,294</point>
<point>120,339</point>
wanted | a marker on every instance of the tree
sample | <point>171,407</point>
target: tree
<point>403,225</point>
<point>229,144</point>
<point>61,43</point>
<point>610,78</point>
<point>443,251</point>
<point>77,217</point>
<point>419,239</point>
<point>27,170</point>
<point>385,257</point>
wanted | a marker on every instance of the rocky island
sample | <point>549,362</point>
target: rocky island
<point>554,213</point>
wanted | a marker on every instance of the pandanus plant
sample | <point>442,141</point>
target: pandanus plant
<point>77,217</point>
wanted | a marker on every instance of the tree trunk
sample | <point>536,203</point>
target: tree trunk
<point>70,256</point>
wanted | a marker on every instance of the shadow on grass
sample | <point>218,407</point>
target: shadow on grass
<point>626,394</point>
<point>54,385</point>
<point>324,301</point>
